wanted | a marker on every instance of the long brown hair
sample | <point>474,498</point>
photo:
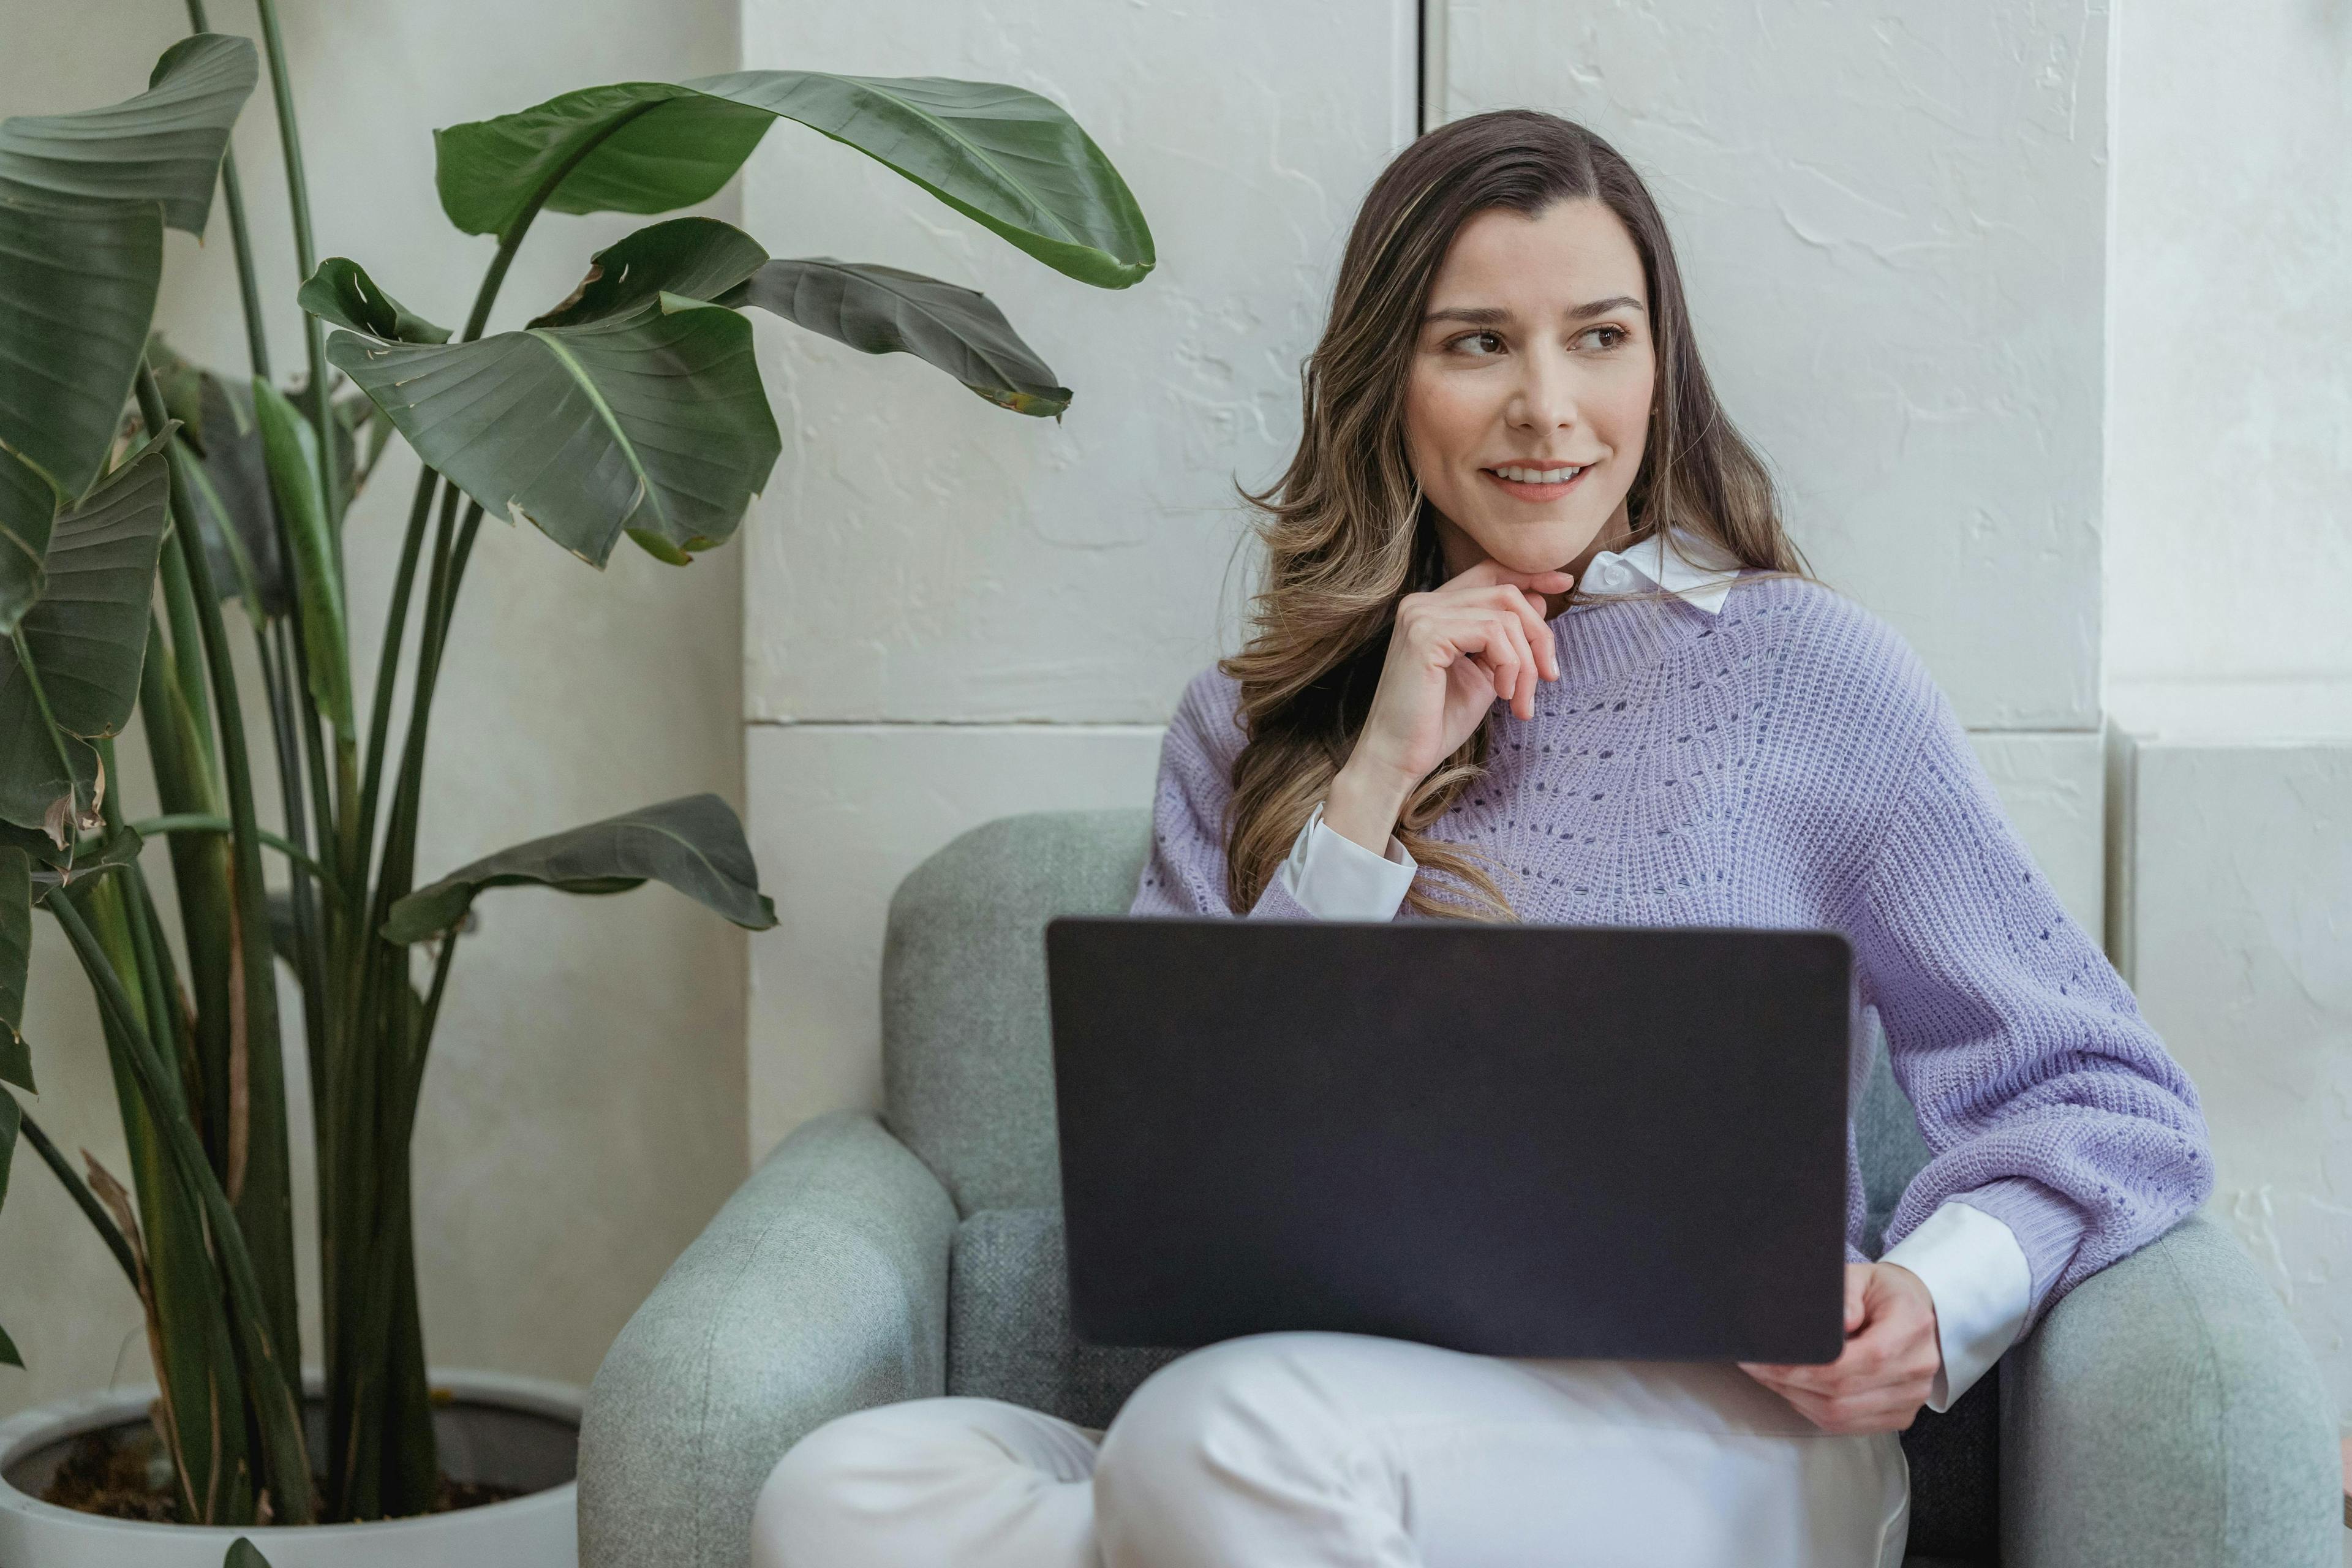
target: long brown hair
<point>1348,532</point>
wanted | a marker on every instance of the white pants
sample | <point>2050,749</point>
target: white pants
<point>1315,1450</point>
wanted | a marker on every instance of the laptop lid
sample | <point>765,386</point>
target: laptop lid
<point>1513,1140</point>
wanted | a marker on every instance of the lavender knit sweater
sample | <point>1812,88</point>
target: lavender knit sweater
<point>1789,763</point>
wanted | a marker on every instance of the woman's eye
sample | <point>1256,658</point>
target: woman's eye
<point>1616,335</point>
<point>1482,338</point>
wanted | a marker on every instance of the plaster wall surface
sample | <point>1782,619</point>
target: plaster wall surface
<point>2228,556</point>
<point>2228,566</point>
<point>923,555</point>
<point>583,1110</point>
<point>840,813</point>
<point>951,611</point>
<point>2239,902</point>
<point>1889,219</point>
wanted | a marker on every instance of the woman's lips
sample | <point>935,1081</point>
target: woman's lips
<point>1522,491</point>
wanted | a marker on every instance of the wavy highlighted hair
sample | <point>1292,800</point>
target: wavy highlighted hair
<point>1346,531</point>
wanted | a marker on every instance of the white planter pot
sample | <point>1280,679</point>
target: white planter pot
<point>506,1431</point>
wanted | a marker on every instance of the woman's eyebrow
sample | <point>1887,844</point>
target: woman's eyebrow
<point>1494,315</point>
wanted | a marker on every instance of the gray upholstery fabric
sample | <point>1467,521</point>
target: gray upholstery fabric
<point>967,1066</point>
<point>1954,1455</point>
<point>821,1288</point>
<point>1886,1140</point>
<point>2165,1414</point>
<point>1009,1324</point>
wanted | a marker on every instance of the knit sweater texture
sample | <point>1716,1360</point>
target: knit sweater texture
<point>1789,763</point>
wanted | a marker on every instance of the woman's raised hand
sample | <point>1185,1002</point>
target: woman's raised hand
<point>1455,652</point>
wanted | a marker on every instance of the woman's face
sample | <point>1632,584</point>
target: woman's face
<point>1528,402</point>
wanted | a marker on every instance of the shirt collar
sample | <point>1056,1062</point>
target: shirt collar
<point>1697,571</point>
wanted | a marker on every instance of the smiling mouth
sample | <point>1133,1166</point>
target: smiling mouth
<point>1531,483</point>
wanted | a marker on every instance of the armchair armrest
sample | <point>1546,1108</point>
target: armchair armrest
<point>2164,1411</point>
<point>820,1288</point>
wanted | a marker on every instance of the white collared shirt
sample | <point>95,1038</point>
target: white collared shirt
<point>1974,1269</point>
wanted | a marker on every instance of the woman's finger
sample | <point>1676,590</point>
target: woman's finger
<point>1523,690</point>
<point>1528,605</point>
<point>1865,1361</point>
<point>1489,572</point>
<point>1871,1414</point>
<point>1478,635</point>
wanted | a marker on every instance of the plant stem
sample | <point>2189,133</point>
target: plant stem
<point>256,341</point>
<point>387,665</point>
<point>79,1190</point>
<point>420,510</point>
<point>265,1207</point>
<point>375,1386</point>
<point>281,1415</point>
<point>187,669</point>
<point>195,822</point>
<point>306,259</point>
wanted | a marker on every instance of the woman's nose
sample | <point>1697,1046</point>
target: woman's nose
<point>1545,398</point>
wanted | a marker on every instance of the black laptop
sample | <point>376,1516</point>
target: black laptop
<point>1514,1140</point>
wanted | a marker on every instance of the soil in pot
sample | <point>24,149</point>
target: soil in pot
<point>125,1472</point>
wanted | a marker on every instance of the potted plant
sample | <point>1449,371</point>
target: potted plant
<point>632,410</point>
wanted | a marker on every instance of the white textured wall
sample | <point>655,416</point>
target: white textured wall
<point>584,1111</point>
<point>1890,220</point>
<point>927,568</point>
<point>2238,889</point>
<point>2228,560</point>
<point>2228,571</point>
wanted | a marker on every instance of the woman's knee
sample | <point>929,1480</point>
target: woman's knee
<point>824,1478</point>
<point>1230,1410</point>
<point>843,1492</point>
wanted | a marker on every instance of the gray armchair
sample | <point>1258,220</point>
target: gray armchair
<point>2164,1413</point>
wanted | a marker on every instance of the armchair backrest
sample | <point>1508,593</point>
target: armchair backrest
<point>967,1055</point>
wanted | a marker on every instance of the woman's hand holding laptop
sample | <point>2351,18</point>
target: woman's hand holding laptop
<point>1889,1364</point>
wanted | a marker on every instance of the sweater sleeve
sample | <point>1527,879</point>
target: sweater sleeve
<point>2044,1098</point>
<point>1185,872</point>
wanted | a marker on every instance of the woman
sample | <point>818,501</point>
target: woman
<point>1532,643</point>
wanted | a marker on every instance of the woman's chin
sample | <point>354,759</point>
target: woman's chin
<point>1540,545</point>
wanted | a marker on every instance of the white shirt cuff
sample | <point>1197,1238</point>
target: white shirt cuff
<point>1976,1275</point>
<point>1336,879</point>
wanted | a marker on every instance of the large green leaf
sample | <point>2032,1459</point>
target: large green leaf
<point>28,509</point>
<point>16,957</point>
<point>694,844</point>
<point>1014,161</point>
<point>652,423</point>
<point>89,629</point>
<point>884,309</point>
<point>55,865</point>
<point>877,309</point>
<point>342,292</point>
<point>87,635</point>
<point>698,257</point>
<point>84,199</point>
<point>224,472</point>
<point>162,147</point>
